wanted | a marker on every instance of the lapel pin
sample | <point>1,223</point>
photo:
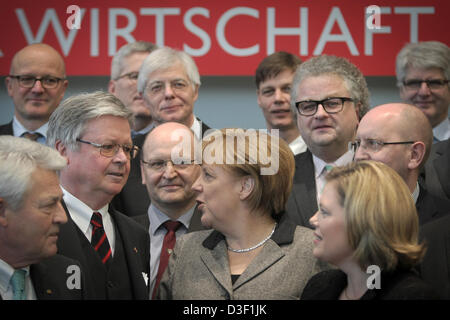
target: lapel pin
<point>135,249</point>
<point>49,291</point>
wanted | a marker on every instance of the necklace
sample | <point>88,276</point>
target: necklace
<point>255,246</point>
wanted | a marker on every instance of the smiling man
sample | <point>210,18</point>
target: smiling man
<point>169,185</point>
<point>36,84</point>
<point>30,219</point>
<point>423,73</point>
<point>273,78</point>
<point>92,131</point>
<point>330,95</point>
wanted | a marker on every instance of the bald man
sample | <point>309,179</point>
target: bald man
<point>36,84</point>
<point>168,173</point>
<point>400,136</point>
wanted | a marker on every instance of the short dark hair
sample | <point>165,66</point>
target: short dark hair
<point>275,63</point>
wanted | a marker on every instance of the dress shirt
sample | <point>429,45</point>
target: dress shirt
<point>6,291</point>
<point>415,194</point>
<point>157,233</point>
<point>442,130</point>
<point>81,214</point>
<point>298,145</point>
<point>320,171</point>
<point>197,128</point>
<point>143,131</point>
<point>19,130</point>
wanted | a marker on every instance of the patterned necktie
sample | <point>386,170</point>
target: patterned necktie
<point>33,136</point>
<point>18,284</point>
<point>166,251</point>
<point>99,240</point>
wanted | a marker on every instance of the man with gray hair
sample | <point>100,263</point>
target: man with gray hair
<point>423,73</point>
<point>92,131</point>
<point>30,218</point>
<point>123,84</point>
<point>330,95</point>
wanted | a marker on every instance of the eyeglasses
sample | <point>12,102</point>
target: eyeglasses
<point>372,144</point>
<point>132,76</point>
<point>330,105</point>
<point>47,82</point>
<point>157,87</point>
<point>433,84</point>
<point>160,165</point>
<point>111,149</point>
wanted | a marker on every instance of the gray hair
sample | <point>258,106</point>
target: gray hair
<point>19,157</point>
<point>331,65</point>
<point>68,121</point>
<point>127,50</point>
<point>165,58</point>
<point>422,55</point>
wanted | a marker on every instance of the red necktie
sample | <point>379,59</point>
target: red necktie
<point>168,244</point>
<point>99,240</point>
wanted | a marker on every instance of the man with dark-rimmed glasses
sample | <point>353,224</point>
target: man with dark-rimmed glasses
<point>36,84</point>
<point>92,131</point>
<point>400,136</point>
<point>330,95</point>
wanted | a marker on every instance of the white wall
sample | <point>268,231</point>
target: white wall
<point>223,101</point>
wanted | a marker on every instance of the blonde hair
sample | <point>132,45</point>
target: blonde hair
<point>382,222</point>
<point>271,191</point>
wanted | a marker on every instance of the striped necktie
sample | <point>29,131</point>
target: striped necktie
<point>33,136</point>
<point>99,240</point>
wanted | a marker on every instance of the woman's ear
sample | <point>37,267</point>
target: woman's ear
<point>247,186</point>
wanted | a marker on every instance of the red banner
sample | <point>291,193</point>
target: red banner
<point>227,37</point>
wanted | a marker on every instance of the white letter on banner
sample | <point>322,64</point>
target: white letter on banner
<point>187,19</point>
<point>160,13</point>
<point>414,20</point>
<point>302,31</point>
<point>49,16</point>
<point>94,32</point>
<point>326,36</point>
<point>368,37</point>
<point>114,32</point>
<point>220,31</point>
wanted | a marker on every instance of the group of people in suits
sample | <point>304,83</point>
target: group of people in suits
<point>114,212</point>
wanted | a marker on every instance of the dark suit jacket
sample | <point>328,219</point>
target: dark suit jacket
<point>302,203</point>
<point>437,170</point>
<point>435,267</point>
<point>136,245</point>
<point>133,200</point>
<point>399,285</point>
<point>430,207</point>
<point>6,129</point>
<point>50,279</point>
<point>194,225</point>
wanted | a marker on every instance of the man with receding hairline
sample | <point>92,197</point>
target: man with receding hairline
<point>400,136</point>
<point>36,84</point>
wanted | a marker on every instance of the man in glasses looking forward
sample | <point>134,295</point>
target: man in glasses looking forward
<point>36,84</point>
<point>330,95</point>
<point>423,71</point>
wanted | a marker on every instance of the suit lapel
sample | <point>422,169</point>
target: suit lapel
<point>217,263</point>
<point>304,187</point>
<point>269,255</point>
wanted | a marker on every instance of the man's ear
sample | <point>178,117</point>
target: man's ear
<point>62,149</point>
<point>417,154</point>
<point>111,86</point>
<point>247,186</point>
<point>3,221</point>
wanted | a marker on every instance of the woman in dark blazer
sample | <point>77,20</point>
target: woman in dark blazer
<point>254,251</point>
<point>367,226</point>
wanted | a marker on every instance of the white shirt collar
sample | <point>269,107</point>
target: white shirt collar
<point>319,164</point>
<point>298,145</point>
<point>442,130</point>
<point>415,194</point>
<point>6,272</point>
<point>80,212</point>
<point>197,128</point>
